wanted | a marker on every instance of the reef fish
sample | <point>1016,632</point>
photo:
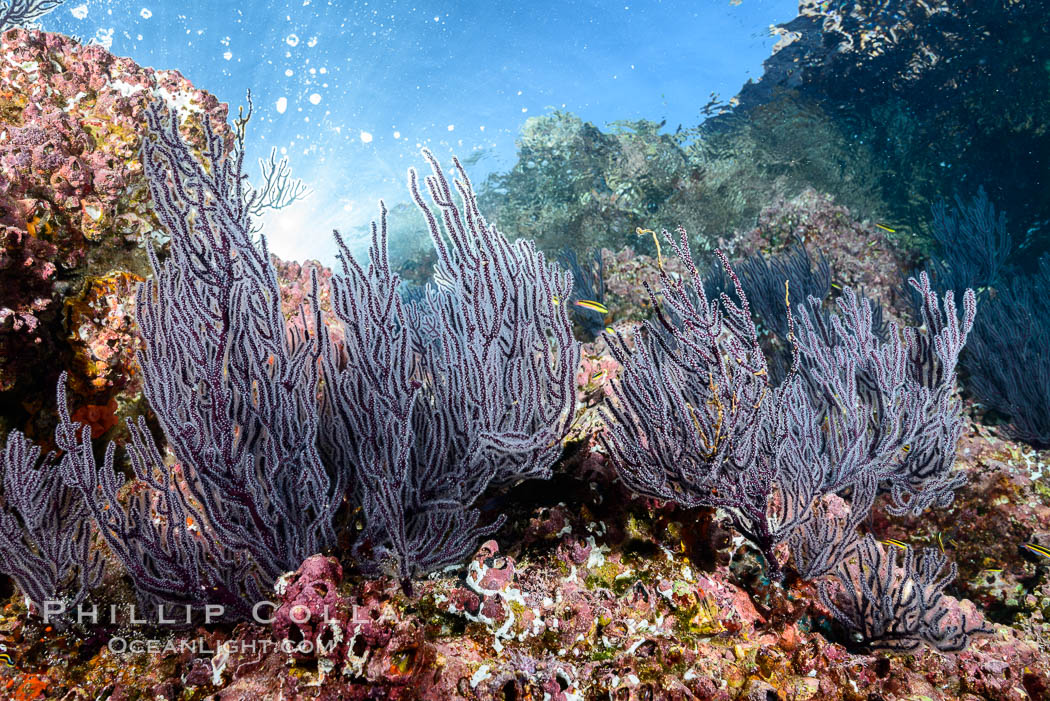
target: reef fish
<point>591,304</point>
<point>1037,549</point>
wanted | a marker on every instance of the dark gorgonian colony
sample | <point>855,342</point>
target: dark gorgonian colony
<point>697,420</point>
<point>428,402</point>
<point>270,425</point>
<point>431,398</point>
<point>1007,360</point>
<point>23,13</point>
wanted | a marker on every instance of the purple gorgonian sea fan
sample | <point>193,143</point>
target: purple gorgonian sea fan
<point>899,604</point>
<point>233,387</point>
<point>24,13</point>
<point>888,407</point>
<point>45,526</point>
<point>693,416</point>
<point>429,402</point>
<point>695,419</point>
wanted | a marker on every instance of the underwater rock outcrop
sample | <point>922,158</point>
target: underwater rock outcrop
<point>75,218</point>
<point>574,185</point>
<point>585,590</point>
<point>918,89</point>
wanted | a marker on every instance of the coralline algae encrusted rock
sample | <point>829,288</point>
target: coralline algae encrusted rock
<point>588,600</point>
<point>75,212</point>
<point>356,635</point>
<point>860,254</point>
<point>27,277</point>
<point>312,615</point>
<point>294,280</point>
<point>100,321</point>
<point>626,273</point>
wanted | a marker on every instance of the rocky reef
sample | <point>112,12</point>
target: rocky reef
<point>585,591</point>
<point>590,595</point>
<point>916,92</point>
<point>75,219</point>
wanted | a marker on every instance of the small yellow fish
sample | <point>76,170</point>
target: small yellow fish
<point>995,570</point>
<point>1037,549</point>
<point>609,329</point>
<point>6,659</point>
<point>836,286</point>
<point>895,543</point>
<point>591,304</point>
<point>886,228</point>
<point>906,448</point>
<point>598,375</point>
<point>555,300</point>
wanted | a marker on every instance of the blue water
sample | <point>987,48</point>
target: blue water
<point>350,90</point>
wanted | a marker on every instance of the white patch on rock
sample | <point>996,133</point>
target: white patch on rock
<point>597,556</point>
<point>479,676</point>
<point>281,585</point>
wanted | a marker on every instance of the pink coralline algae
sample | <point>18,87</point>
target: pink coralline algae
<point>294,280</point>
<point>313,612</point>
<point>626,273</point>
<point>27,275</point>
<point>73,202</point>
<point>359,639</point>
<point>860,254</point>
<point>101,323</point>
<point>597,370</point>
